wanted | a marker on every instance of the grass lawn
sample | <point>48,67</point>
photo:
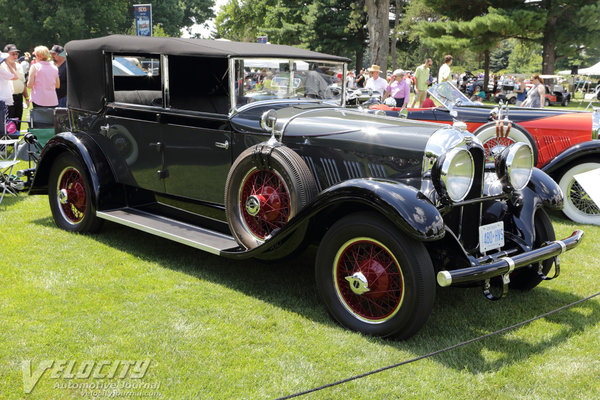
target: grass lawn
<point>220,329</point>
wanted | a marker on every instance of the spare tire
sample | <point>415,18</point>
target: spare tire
<point>487,134</point>
<point>266,186</point>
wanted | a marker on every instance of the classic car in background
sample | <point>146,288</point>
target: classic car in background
<point>192,152</point>
<point>565,142</point>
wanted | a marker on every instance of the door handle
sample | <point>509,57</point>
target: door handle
<point>222,145</point>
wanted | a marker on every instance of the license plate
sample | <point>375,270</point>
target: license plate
<point>491,236</point>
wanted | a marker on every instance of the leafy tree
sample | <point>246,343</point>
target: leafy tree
<point>28,23</point>
<point>525,58</point>
<point>329,28</point>
<point>499,56</point>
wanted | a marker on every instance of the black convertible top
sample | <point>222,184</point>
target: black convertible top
<point>85,59</point>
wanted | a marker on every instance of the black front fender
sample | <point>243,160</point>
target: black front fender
<point>546,189</point>
<point>107,193</point>
<point>402,205</point>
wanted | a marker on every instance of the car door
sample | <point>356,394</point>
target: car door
<point>196,131</point>
<point>133,121</point>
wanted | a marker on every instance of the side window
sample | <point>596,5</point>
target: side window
<point>137,79</point>
<point>199,84</point>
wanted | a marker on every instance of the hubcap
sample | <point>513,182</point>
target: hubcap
<point>368,280</point>
<point>71,195</point>
<point>264,202</point>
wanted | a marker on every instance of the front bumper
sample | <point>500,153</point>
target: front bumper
<point>506,265</point>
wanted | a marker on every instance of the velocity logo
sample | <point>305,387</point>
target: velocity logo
<point>71,369</point>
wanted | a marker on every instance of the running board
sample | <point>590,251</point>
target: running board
<point>190,235</point>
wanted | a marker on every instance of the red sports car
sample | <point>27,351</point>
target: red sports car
<point>565,142</point>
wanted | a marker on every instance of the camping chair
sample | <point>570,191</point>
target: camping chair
<point>8,159</point>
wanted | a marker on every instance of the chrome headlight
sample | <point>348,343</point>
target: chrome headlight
<point>514,165</point>
<point>453,174</point>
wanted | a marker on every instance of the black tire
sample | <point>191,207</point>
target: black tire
<point>565,102</point>
<point>512,100</point>
<point>487,134</point>
<point>527,278</point>
<point>547,103</point>
<point>285,183</point>
<point>400,303</point>
<point>71,196</point>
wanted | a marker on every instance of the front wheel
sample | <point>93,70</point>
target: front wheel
<point>70,195</point>
<point>579,206</point>
<point>374,279</point>
<point>527,278</point>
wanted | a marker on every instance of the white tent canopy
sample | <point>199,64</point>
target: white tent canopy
<point>593,70</point>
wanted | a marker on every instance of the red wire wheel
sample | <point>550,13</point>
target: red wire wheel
<point>264,202</point>
<point>266,187</point>
<point>72,196</point>
<point>368,280</point>
<point>492,136</point>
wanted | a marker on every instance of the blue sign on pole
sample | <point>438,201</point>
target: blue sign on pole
<point>143,19</point>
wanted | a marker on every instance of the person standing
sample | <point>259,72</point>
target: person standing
<point>421,83</point>
<point>360,79</point>
<point>375,82</point>
<point>58,55</point>
<point>43,79</point>
<point>444,74</point>
<point>521,91</point>
<point>399,89</point>
<point>537,94</point>
<point>6,91</point>
<point>15,111</point>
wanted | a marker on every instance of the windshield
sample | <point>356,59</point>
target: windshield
<point>447,94</point>
<point>273,78</point>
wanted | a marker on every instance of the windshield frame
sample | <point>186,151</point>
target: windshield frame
<point>449,96</point>
<point>234,76</point>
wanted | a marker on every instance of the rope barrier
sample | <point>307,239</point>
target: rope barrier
<point>438,351</point>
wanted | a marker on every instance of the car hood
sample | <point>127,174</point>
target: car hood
<point>355,126</point>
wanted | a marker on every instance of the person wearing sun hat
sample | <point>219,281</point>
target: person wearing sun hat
<point>375,82</point>
<point>58,55</point>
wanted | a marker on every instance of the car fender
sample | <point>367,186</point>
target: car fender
<point>575,154</point>
<point>546,189</point>
<point>107,194</point>
<point>402,205</point>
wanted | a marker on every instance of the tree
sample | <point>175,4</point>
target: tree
<point>378,12</point>
<point>28,23</point>
<point>330,28</point>
<point>500,55</point>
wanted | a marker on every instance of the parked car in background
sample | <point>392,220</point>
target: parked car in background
<point>193,154</point>
<point>565,142</point>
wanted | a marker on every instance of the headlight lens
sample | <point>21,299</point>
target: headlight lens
<point>453,174</point>
<point>515,165</point>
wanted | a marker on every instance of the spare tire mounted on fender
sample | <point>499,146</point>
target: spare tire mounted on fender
<point>266,186</point>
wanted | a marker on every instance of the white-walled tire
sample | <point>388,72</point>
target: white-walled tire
<point>487,134</point>
<point>579,207</point>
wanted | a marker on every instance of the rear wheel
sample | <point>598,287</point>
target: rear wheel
<point>70,195</point>
<point>579,206</point>
<point>374,279</point>
<point>527,278</point>
<point>546,103</point>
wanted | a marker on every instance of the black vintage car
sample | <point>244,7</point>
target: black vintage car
<point>194,151</point>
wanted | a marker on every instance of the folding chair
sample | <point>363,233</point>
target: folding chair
<point>8,159</point>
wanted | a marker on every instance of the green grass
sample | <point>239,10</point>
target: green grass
<point>221,329</point>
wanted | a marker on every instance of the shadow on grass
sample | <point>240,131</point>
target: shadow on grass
<point>10,200</point>
<point>459,314</point>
